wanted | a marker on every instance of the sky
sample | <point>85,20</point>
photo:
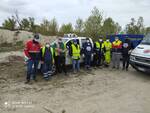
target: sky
<point>66,11</point>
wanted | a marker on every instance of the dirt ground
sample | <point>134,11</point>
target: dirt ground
<point>98,91</point>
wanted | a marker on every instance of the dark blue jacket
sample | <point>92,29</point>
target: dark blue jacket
<point>87,48</point>
<point>126,47</point>
<point>47,56</point>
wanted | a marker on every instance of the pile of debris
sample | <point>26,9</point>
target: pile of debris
<point>8,57</point>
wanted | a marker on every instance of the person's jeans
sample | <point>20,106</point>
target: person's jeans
<point>32,69</point>
<point>76,64</point>
<point>87,61</point>
<point>47,70</point>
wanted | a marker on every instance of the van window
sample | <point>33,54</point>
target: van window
<point>146,40</point>
<point>83,41</point>
<point>64,40</point>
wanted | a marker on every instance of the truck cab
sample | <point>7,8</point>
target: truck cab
<point>140,56</point>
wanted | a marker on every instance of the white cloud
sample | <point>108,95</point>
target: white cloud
<point>69,10</point>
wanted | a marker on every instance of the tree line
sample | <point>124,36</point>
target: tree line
<point>94,26</point>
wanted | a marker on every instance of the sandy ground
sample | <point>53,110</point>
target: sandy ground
<point>97,91</point>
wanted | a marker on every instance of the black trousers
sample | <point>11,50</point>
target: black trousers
<point>126,61</point>
<point>60,64</point>
<point>97,59</point>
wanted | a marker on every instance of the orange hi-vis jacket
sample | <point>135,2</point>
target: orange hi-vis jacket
<point>117,46</point>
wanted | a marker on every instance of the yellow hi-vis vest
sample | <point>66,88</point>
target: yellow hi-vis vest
<point>51,50</point>
<point>75,51</point>
<point>107,45</point>
<point>63,52</point>
<point>98,45</point>
<point>117,43</point>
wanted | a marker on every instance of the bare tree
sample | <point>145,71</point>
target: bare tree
<point>17,18</point>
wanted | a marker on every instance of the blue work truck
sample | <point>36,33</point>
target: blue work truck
<point>135,39</point>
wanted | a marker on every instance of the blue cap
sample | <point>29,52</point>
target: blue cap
<point>75,40</point>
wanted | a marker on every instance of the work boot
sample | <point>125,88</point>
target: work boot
<point>89,68</point>
<point>74,71</point>
<point>100,67</point>
<point>47,79</point>
<point>113,67</point>
<point>118,67</point>
<point>107,65</point>
<point>35,80</point>
<point>78,71</point>
<point>66,74</point>
<point>27,82</point>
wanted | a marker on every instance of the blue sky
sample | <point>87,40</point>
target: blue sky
<point>69,10</point>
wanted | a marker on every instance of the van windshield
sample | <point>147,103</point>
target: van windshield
<point>146,40</point>
<point>64,40</point>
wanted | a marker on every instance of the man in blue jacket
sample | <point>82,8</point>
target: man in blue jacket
<point>47,58</point>
<point>87,53</point>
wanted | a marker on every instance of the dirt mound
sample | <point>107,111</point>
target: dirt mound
<point>7,36</point>
<point>15,58</point>
<point>6,57</point>
<point>11,67</point>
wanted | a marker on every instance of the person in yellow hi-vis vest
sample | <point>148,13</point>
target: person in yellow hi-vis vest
<point>47,58</point>
<point>60,56</point>
<point>98,53</point>
<point>75,54</point>
<point>107,52</point>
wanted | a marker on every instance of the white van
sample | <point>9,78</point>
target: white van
<point>67,39</point>
<point>140,56</point>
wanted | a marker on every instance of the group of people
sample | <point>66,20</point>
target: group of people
<point>104,52</point>
<point>46,55</point>
<point>99,54</point>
